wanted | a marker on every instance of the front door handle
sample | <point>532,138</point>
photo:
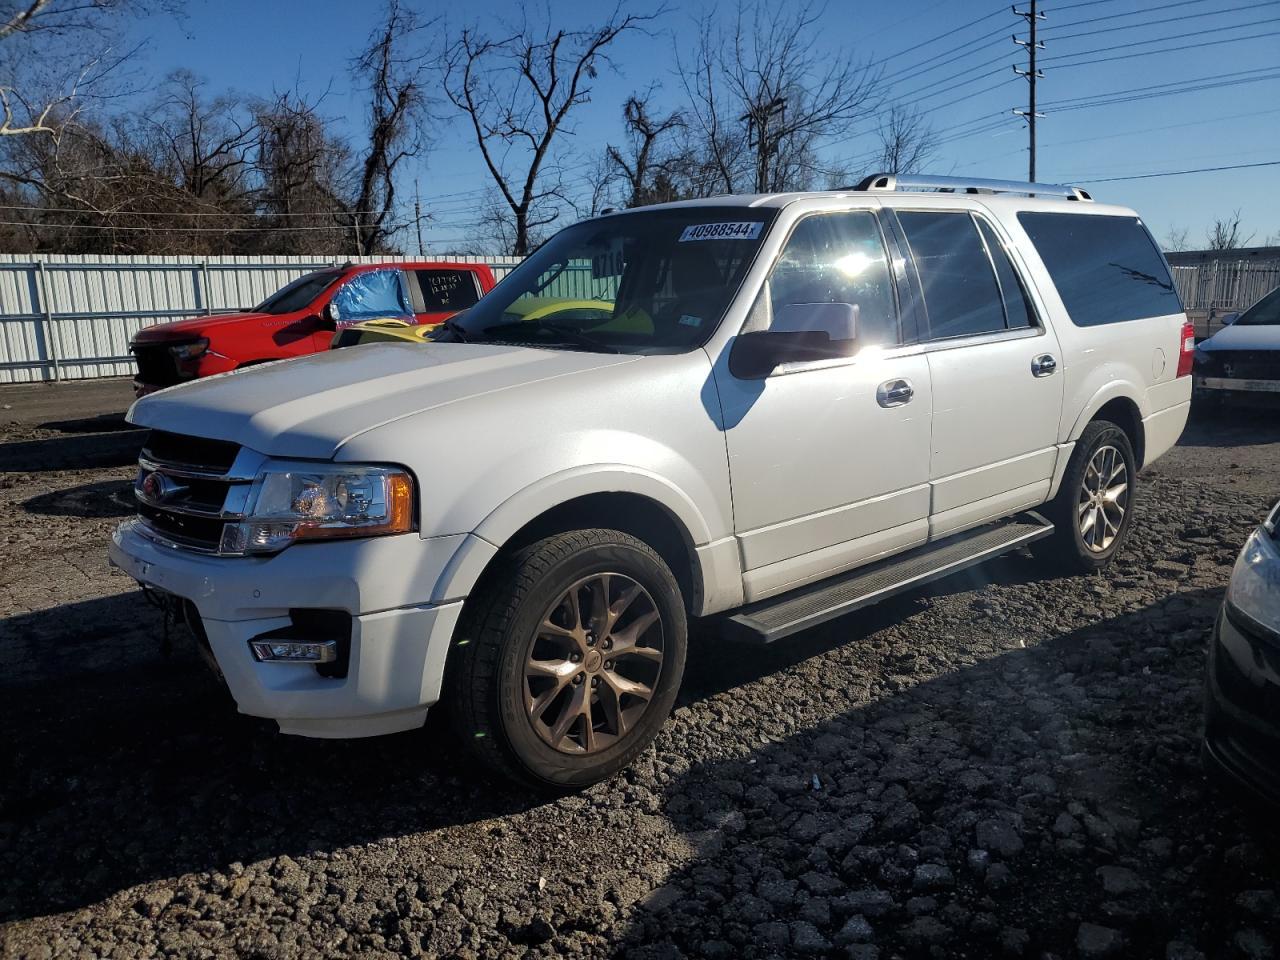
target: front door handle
<point>894,393</point>
<point>1044,365</point>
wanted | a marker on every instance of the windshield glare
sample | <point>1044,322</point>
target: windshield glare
<point>297,295</point>
<point>656,281</point>
<point>1266,312</point>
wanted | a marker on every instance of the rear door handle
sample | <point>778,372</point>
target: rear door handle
<point>1044,365</point>
<point>894,393</point>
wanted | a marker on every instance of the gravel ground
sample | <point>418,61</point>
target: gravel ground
<point>1004,765</point>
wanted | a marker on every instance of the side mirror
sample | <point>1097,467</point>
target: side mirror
<point>799,332</point>
<point>756,355</point>
<point>327,319</point>
<point>1229,318</point>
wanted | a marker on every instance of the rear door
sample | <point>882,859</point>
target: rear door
<point>993,366</point>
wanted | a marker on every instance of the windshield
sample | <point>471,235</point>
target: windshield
<point>1266,312</point>
<point>656,281</point>
<point>297,295</point>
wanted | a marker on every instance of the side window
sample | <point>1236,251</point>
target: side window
<point>447,289</point>
<point>1107,269</point>
<point>961,295</point>
<point>833,275</point>
<point>372,294</point>
<point>1017,306</point>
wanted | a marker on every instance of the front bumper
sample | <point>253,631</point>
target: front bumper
<point>1242,711</point>
<point>398,647</point>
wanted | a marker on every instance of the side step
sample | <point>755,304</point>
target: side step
<point>780,617</point>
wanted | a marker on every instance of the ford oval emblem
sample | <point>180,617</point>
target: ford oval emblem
<point>159,487</point>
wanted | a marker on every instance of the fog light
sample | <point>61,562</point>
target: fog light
<point>295,651</point>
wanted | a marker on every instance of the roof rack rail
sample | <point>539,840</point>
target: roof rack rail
<point>890,182</point>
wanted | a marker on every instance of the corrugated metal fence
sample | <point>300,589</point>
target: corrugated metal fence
<point>1225,285</point>
<point>71,317</point>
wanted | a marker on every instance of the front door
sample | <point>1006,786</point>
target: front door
<point>829,460</point>
<point>994,368</point>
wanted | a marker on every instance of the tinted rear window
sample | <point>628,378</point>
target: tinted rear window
<point>447,289</point>
<point>1107,269</point>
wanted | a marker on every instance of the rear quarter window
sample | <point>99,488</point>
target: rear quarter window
<point>1107,269</point>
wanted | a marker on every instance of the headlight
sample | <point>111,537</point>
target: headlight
<point>292,502</point>
<point>190,351</point>
<point>1254,589</point>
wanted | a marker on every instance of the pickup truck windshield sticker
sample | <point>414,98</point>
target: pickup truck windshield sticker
<point>740,230</point>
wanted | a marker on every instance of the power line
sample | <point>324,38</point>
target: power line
<point>1178,173</point>
<point>1177,36</point>
<point>1167,20</point>
<point>1159,8</point>
<point>1129,96</point>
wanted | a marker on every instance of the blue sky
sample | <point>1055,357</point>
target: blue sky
<point>257,47</point>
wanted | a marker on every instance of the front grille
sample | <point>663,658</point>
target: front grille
<point>1243,364</point>
<point>180,450</point>
<point>157,366</point>
<point>187,491</point>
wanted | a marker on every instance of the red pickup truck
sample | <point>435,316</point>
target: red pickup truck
<point>302,317</point>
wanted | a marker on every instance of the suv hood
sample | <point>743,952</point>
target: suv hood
<point>1263,336</point>
<point>196,326</point>
<point>310,406</point>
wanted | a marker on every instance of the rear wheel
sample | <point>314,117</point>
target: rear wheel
<point>1093,511</point>
<point>568,659</point>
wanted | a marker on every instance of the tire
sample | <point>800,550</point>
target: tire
<point>516,696</point>
<point>1080,544</point>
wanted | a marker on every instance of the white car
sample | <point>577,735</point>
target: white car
<point>800,404</point>
<point>1243,358</point>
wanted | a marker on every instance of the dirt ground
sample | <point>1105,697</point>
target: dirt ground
<point>1002,765</point>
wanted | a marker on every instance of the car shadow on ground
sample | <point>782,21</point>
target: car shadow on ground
<point>1231,425</point>
<point>106,498</point>
<point>82,451</point>
<point>976,809</point>
<point>122,765</point>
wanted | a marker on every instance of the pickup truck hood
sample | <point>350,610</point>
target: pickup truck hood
<point>310,406</point>
<point>197,326</point>
<point>1262,336</point>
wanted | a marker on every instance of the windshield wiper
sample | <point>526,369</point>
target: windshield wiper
<point>455,328</point>
<point>572,334</point>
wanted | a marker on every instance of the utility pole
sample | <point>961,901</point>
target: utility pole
<point>1032,74</point>
<point>417,214</point>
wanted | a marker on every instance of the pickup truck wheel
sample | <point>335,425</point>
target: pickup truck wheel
<point>568,659</point>
<point>1093,511</point>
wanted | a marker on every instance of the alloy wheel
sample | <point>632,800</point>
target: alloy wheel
<point>592,666</point>
<point>1104,498</point>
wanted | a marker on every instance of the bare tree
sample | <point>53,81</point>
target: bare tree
<point>1225,234</point>
<point>395,82</point>
<point>645,158</point>
<point>907,141</point>
<point>299,164</point>
<point>764,98</point>
<point>1177,240</point>
<point>56,53</point>
<point>517,93</point>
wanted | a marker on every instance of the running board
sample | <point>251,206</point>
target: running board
<point>780,617</point>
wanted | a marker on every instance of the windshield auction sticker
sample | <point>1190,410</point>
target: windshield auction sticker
<point>741,230</point>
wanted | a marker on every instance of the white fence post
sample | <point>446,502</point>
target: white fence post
<point>50,334</point>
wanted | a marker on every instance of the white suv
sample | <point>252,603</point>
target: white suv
<point>774,409</point>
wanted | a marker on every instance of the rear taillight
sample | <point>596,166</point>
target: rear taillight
<point>1187,350</point>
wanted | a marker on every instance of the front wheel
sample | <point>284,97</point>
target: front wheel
<point>1093,511</point>
<point>568,659</point>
